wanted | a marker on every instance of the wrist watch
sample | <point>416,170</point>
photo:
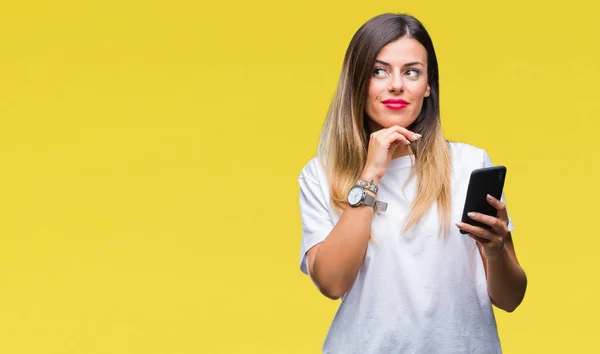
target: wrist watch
<point>358,196</point>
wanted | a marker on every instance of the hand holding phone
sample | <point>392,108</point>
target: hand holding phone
<point>483,181</point>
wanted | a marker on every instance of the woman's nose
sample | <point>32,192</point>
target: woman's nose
<point>396,83</point>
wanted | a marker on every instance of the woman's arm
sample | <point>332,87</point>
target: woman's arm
<point>506,280</point>
<point>334,263</point>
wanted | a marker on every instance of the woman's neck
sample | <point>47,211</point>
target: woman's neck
<point>402,150</point>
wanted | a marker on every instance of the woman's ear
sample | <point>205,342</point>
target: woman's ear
<point>428,91</point>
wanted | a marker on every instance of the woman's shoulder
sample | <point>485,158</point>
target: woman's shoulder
<point>464,153</point>
<point>313,170</point>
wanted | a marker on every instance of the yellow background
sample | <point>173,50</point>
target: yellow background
<point>149,152</point>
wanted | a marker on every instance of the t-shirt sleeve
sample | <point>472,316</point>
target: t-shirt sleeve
<point>487,162</point>
<point>314,212</point>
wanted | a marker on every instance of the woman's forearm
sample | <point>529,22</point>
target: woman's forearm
<point>506,281</point>
<point>339,257</point>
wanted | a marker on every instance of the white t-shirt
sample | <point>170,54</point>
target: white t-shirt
<point>415,293</point>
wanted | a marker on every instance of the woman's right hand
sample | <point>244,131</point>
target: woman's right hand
<point>382,145</point>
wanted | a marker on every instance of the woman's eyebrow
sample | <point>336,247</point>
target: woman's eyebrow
<point>405,65</point>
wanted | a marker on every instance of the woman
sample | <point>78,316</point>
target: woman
<point>410,282</point>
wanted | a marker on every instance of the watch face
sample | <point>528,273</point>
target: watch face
<point>355,195</point>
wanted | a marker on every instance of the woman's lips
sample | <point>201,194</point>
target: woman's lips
<point>395,105</point>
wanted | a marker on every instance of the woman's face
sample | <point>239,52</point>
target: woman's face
<point>398,84</point>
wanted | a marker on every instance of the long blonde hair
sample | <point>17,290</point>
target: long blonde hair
<point>345,136</point>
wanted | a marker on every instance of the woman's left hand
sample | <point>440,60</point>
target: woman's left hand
<point>491,241</point>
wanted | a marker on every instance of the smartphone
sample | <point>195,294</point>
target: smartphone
<point>483,181</point>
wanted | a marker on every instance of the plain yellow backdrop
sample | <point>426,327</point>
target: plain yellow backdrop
<point>149,152</point>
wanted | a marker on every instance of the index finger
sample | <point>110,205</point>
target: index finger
<point>501,207</point>
<point>407,133</point>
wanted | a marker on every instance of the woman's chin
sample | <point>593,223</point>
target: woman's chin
<point>393,123</point>
<point>377,124</point>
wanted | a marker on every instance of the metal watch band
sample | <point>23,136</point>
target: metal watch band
<point>380,207</point>
<point>377,205</point>
<point>369,200</point>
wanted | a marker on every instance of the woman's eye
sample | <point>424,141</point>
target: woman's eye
<point>378,72</point>
<point>413,72</point>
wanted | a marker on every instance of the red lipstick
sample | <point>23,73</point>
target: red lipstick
<point>396,103</point>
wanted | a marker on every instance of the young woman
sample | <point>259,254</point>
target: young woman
<point>410,282</point>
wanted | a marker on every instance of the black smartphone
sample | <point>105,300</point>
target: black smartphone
<point>483,181</point>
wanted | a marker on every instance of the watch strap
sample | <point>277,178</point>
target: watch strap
<point>380,206</point>
<point>369,200</point>
<point>369,185</point>
<point>377,205</point>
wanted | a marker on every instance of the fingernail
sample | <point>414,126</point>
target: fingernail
<point>471,214</point>
<point>418,135</point>
<point>489,196</point>
<point>407,142</point>
<point>459,224</point>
